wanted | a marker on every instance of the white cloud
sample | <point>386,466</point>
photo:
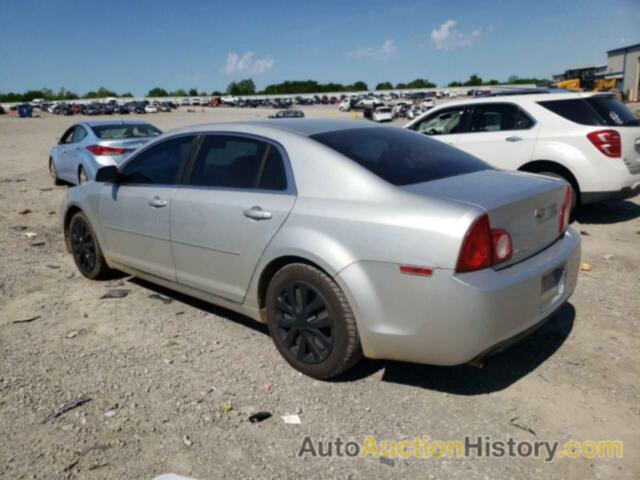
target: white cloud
<point>387,49</point>
<point>245,64</point>
<point>448,37</point>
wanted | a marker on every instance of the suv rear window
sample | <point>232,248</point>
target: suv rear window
<point>401,157</point>
<point>597,110</point>
<point>612,111</point>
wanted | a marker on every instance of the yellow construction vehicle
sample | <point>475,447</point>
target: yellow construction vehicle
<point>572,84</point>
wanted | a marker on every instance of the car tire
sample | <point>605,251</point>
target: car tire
<point>54,173</point>
<point>85,249</point>
<point>82,176</point>
<point>322,342</point>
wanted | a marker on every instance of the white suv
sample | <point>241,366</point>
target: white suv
<point>591,140</point>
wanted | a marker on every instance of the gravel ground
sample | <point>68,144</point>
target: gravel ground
<point>160,367</point>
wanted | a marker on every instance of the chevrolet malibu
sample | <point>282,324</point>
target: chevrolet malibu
<point>345,238</point>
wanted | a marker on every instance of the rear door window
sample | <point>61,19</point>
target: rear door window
<point>79,133</point>
<point>400,156</point>
<point>498,117</point>
<point>230,161</point>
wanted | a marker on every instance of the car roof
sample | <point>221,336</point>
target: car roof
<point>300,126</point>
<point>102,123</point>
<point>531,97</point>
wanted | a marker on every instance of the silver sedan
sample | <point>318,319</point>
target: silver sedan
<point>87,146</point>
<point>346,238</point>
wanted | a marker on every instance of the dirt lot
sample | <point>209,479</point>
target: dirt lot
<point>160,368</point>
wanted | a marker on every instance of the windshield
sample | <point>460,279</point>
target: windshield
<point>119,132</point>
<point>401,157</point>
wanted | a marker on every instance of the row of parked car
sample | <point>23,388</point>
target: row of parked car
<point>107,108</point>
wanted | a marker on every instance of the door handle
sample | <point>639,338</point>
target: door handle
<point>513,139</point>
<point>256,213</point>
<point>157,202</point>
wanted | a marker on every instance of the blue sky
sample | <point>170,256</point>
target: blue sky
<point>136,45</point>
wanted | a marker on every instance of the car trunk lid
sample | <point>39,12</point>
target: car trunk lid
<point>129,145</point>
<point>528,206</point>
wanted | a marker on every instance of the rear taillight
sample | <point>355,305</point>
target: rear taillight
<point>483,247</point>
<point>565,210</point>
<point>607,141</point>
<point>102,150</point>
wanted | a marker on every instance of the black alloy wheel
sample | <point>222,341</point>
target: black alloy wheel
<point>83,247</point>
<point>304,324</point>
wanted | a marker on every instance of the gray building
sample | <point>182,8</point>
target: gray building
<point>623,64</point>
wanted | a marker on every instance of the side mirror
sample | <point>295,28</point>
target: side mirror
<point>108,174</point>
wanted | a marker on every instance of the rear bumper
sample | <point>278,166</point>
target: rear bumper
<point>451,319</point>
<point>623,193</point>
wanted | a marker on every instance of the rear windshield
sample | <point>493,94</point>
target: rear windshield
<point>597,110</point>
<point>119,132</point>
<point>401,157</point>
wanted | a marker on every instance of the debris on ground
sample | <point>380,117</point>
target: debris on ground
<point>116,293</point>
<point>39,243</point>
<point>586,267</point>
<point>72,334</point>
<point>162,298</point>
<point>387,461</point>
<point>66,407</point>
<point>291,419</point>
<point>265,386</point>
<point>186,440</point>
<point>608,256</point>
<point>54,267</point>
<point>227,407</point>
<point>27,320</point>
<point>259,417</point>
<point>26,211</point>
<point>513,423</point>
<point>69,275</point>
<point>19,228</point>
<point>111,413</point>
<point>30,234</point>
<point>585,233</point>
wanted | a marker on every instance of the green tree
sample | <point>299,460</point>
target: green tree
<point>157,92</point>
<point>455,84</point>
<point>127,95</point>
<point>193,92</point>
<point>384,86</point>
<point>181,92</point>
<point>359,86</point>
<point>474,81</point>
<point>421,83</point>
<point>216,93</point>
<point>242,87</point>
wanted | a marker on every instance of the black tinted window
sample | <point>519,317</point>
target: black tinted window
<point>576,110</point>
<point>498,117</point>
<point>78,134</point>
<point>399,156</point>
<point>236,162</point>
<point>612,111</point>
<point>160,164</point>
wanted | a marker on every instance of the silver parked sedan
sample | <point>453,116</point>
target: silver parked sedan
<point>346,238</point>
<point>87,146</point>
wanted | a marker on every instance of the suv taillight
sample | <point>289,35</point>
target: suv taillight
<point>483,247</point>
<point>565,210</point>
<point>607,141</point>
